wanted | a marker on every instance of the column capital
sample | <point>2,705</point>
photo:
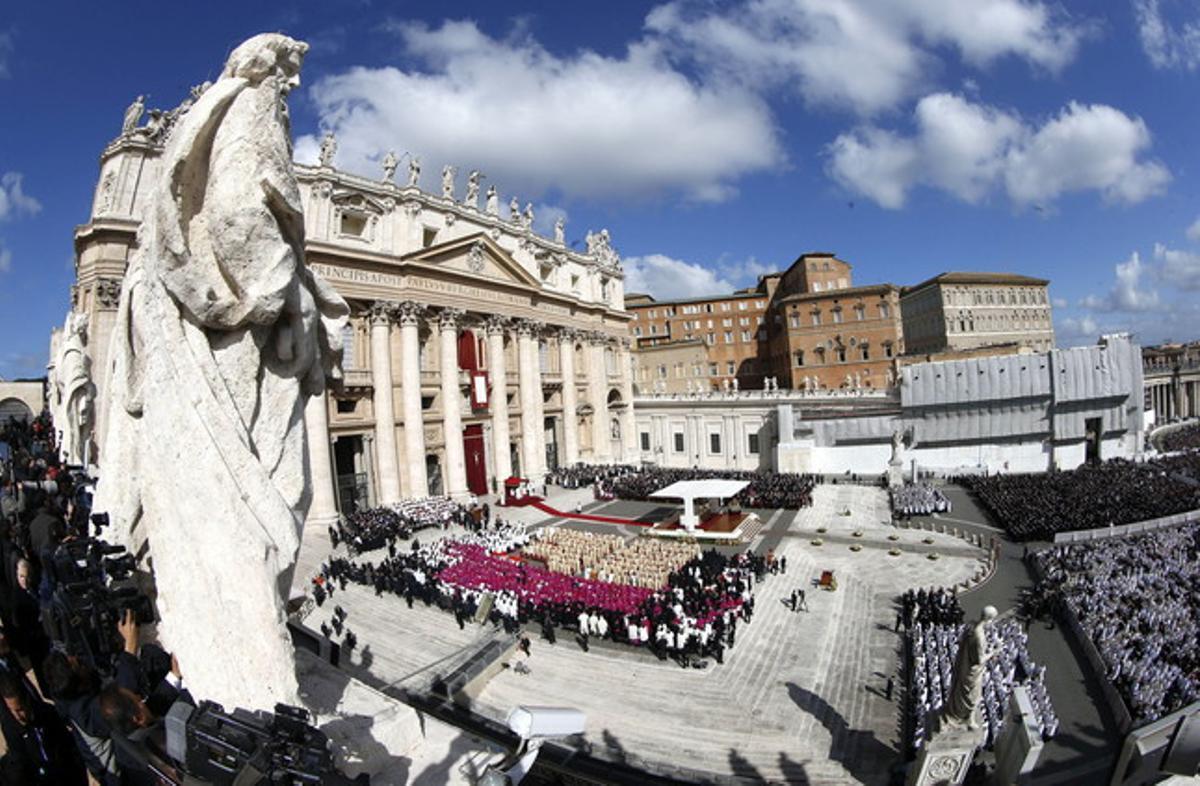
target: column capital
<point>450,318</point>
<point>382,312</point>
<point>597,338</point>
<point>529,328</point>
<point>496,324</point>
<point>108,292</point>
<point>409,312</point>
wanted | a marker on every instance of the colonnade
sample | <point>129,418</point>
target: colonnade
<point>446,324</point>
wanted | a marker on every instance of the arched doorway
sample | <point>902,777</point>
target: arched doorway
<point>15,408</point>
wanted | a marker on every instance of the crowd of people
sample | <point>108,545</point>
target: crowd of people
<point>377,528</point>
<point>1185,438</point>
<point>918,499</point>
<point>935,606</point>
<point>931,650</point>
<point>1035,507</point>
<point>583,475</point>
<point>1138,599</point>
<point>693,614</point>
<point>610,558</point>
<point>767,489</point>
<point>63,714</point>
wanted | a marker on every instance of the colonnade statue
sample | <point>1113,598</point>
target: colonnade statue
<point>73,394</point>
<point>222,336</point>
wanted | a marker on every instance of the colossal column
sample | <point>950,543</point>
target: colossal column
<point>529,388</point>
<point>452,427</point>
<point>322,512</point>
<point>566,363</point>
<point>539,406</point>
<point>628,425</point>
<point>501,456</point>
<point>409,315</point>
<point>598,392</point>
<point>385,412</point>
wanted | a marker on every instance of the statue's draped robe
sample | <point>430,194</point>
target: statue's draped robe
<point>75,407</point>
<point>220,339</point>
<point>966,690</point>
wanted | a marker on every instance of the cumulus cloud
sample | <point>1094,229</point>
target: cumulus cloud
<point>1059,302</point>
<point>14,201</point>
<point>666,278</point>
<point>858,54</point>
<point>1193,232</point>
<point>1179,269</point>
<point>1166,44</point>
<point>1072,331</point>
<point>971,150</point>
<point>1127,293</point>
<point>583,124</point>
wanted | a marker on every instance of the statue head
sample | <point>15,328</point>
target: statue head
<point>265,55</point>
<point>988,614</point>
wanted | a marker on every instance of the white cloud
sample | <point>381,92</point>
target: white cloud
<point>971,150</point>
<point>1127,294</point>
<point>667,278</point>
<point>1167,45</point>
<point>860,54</point>
<point>1073,331</point>
<point>1180,269</point>
<point>13,200</point>
<point>583,124</point>
<point>1193,232</point>
<point>1059,302</point>
<point>6,48</point>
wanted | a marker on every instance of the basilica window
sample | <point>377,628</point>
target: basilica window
<point>677,438</point>
<point>714,443</point>
<point>428,235</point>
<point>353,224</point>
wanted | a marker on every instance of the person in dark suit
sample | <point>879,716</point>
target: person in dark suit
<point>40,749</point>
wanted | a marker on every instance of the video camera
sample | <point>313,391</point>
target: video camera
<point>245,748</point>
<point>93,586</point>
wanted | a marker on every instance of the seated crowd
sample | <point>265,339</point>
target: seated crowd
<point>1138,599</point>
<point>1035,507</point>
<point>932,648</point>
<point>695,613</point>
<point>582,475</point>
<point>918,499</point>
<point>65,713</point>
<point>766,490</point>
<point>609,558</point>
<point>1185,438</point>
<point>376,528</point>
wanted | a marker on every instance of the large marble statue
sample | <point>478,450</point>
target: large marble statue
<point>222,335</point>
<point>527,216</point>
<point>448,182</point>
<point>414,171</point>
<point>966,690</point>
<point>74,393</point>
<point>133,115</point>
<point>560,231</point>
<point>514,211</point>
<point>493,201</point>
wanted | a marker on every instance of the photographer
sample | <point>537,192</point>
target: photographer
<point>75,688</point>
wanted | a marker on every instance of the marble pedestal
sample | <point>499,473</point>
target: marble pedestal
<point>370,732</point>
<point>946,758</point>
<point>895,474</point>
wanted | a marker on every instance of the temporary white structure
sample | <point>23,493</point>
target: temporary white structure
<point>691,490</point>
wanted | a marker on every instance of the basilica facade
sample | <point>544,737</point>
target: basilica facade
<point>476,349</point>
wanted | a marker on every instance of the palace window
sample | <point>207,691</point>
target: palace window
<point>794,320</point>
<point>798,355</point>
<point>712,339</point>
<point>745,335</point>
<point>884,310</point>
<point>742,305</point>
<point>744,321</point>
<point>816,317</point>
<point>726,323</point>
<point>662,372</point>
<point>837,316</point>
<point>712,369</point>
<point>728,336</point>
<point>731,368</point>
<point>859,312</point>
<point>887,349</point>
<point>841,354</point>
<point>820,353</point>
<point>866,352</point>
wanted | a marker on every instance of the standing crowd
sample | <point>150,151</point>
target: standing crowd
<point>767,489</point>
<point>372,529</point>
<point>918,499</point>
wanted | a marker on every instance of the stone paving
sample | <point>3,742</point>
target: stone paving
<point>799,698</point>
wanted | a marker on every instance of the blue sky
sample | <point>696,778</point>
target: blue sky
<point>716,141</point>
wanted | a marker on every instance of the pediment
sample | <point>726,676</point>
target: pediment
<point>476,255</point>
<point>358,201</point>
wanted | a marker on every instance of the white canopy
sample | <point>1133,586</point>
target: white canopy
<point>712,488</point>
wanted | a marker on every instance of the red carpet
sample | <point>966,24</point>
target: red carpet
<point>542,506</point>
